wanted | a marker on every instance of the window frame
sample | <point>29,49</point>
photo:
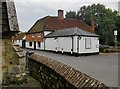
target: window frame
<point>87,43</point>
<point>39,34</point>
<point>30,44</point>
<point>39,44</point>
<point>32,35</point>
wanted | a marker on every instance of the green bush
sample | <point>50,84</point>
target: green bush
<point>103,47</point>
<point>118,43</point>
<point>113,44</point>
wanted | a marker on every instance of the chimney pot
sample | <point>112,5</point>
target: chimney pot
<point>60,14</point>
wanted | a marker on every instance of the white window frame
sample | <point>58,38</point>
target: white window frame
<point>32,35</point>
<point>39,34</point>
<point>87,43</point>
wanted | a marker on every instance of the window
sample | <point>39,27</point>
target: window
<point>97,46</point>
<point>39,34</point>
<point>33,35</point>
<point>39,44</point>
<point>87,43</point>
<point>30,43</point>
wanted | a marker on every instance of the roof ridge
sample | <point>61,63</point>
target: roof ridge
<point>51,23</point>
<point>78,20</point>
<point>71,32</point>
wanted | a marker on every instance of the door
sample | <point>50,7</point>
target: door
<point>34,45</point>
<point>78,44</point>
<point>23,44</point>
<point>72,50</point>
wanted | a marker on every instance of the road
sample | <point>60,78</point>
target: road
<point>103,67</point>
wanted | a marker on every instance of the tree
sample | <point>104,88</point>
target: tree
<point>71,14</point>
<point>118,27</point>
<point>105,20</point>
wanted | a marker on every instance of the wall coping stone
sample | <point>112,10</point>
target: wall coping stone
<point>73,76</point>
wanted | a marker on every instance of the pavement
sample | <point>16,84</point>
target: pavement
<point>103,67</point>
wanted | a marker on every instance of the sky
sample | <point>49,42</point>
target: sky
<point>29,11</point>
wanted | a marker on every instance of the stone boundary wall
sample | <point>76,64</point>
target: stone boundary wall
<point>55,75</point>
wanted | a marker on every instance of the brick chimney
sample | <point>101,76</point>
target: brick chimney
<point>60,14</point>
<point>93,24</point>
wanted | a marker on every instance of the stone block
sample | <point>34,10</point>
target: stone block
<point>57,75</point>
<point>20,54</point>
<point>14,69</point>
<point>17,48</point>
<point>22,61</point>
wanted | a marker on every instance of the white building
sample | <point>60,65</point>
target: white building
<point>37,40</point>
<point>20,39</point>
<point>73,40</point>
<point>42,27</point>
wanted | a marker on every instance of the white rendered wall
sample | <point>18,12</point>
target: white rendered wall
<point>94,45</point>
<point>50,44</point>
<point>75,44</point>
<point>18,42</point>
<point>27,45</point>
<point>46,32</point>
<point>60,43</point>
<point>42,45</point>
<point>65,43</point>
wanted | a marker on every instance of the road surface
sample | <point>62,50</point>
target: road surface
<point>103,67</point>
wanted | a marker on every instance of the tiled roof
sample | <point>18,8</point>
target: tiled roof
<point>38,26</point>
<point>70,32</point>
<point>20,36</point>
<point>50,23</point>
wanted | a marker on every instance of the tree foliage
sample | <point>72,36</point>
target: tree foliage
<point>106,20</point>
<point>118,27</point>
<point>71,14</point>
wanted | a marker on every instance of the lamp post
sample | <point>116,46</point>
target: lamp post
<point>115,34</point>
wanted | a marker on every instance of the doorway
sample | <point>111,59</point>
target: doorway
<point>34,45</point>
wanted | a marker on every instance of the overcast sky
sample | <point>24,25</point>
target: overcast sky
<point>29,11</point>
